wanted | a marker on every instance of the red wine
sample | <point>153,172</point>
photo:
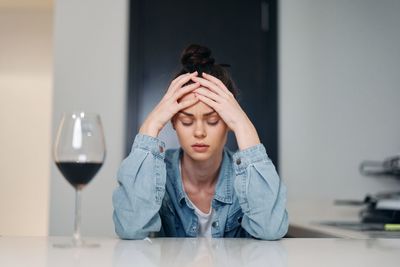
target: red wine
<point>78,174</point>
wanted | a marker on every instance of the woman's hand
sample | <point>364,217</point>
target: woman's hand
<point>217,96</point>
<point>169,105</point>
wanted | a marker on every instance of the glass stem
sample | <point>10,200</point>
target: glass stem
<point>77,226</point>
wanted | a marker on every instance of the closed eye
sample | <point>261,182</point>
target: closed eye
<point>212,122</point>
<point>187,123</point>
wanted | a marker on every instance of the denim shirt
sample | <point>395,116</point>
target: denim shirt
<point>249,200</point>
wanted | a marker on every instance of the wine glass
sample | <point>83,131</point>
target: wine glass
<point>79,152</point>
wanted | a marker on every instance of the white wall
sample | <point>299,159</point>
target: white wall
<point>25,116</point>
<point>90,74</point>
<point>339,95</point>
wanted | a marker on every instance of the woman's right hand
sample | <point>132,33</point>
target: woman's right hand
<point>169,105</point>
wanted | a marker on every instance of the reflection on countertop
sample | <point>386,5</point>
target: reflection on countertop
<point>193,252</point>
<point>177,252</point>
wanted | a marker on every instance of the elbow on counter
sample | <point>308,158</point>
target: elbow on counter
<point>272,235</point>
<point>125,233</point>
<point>278,231</point>
<point>272,232</point>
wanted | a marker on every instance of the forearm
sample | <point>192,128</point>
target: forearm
<point>150,128</point>
<point>246,134</point>
<point>141,188</point>
<point>261,193</point>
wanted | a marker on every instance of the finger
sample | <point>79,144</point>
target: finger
<point>172,84</point>
<point>208,93</point>
<point>208,101</point>
<point>212,86</point>
<point>179,81</point>
<point>184,79</point>
<point>217,82</point>
<point>186,89</point>
<point>187,103</point>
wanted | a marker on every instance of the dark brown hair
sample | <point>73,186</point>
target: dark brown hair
<point>198,58</point>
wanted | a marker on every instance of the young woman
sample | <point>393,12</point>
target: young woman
<point>202,188</point>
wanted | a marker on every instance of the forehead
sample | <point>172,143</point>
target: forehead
<point>197,109</point>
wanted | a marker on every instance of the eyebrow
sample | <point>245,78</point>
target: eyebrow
<point>191,115</point>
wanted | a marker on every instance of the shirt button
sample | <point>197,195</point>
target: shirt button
<point>161,149</point>
<point>238,161</point>
<point>215,224</point>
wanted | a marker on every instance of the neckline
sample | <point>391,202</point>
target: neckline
<point>198,211</point>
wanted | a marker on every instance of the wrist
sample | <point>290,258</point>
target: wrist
<point>246,136</point>
<point>149,129</point>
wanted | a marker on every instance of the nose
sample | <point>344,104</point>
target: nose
<point>200,131</point>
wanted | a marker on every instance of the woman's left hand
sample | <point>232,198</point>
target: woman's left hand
<point>215,94</point>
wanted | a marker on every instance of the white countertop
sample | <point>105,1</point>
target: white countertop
<point>39,251</point>
<point>305,219</point>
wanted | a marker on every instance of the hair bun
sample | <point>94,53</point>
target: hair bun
<point>196,57</point>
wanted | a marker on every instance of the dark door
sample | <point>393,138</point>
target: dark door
<point>242,33</point>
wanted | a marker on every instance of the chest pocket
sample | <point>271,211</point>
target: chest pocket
<point>234,220</point>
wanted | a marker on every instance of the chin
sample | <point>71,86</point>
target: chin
<point>198,156</point>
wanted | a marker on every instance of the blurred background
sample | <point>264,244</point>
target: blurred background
<point>333,77</point>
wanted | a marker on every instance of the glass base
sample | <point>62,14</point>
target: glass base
<point>76,244</point>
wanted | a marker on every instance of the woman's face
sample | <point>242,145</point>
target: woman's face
<point>201,132</point>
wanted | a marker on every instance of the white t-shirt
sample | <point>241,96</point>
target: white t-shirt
<point>204,218</point>
<point>204,221</point>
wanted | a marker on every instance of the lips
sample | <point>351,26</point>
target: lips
<point>200,145</point>
<point>200,148</point>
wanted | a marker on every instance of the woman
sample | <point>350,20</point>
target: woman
<point>201,189</point>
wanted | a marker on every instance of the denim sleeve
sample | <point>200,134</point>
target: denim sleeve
<point>141,188</point>
<point>261,194</point>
